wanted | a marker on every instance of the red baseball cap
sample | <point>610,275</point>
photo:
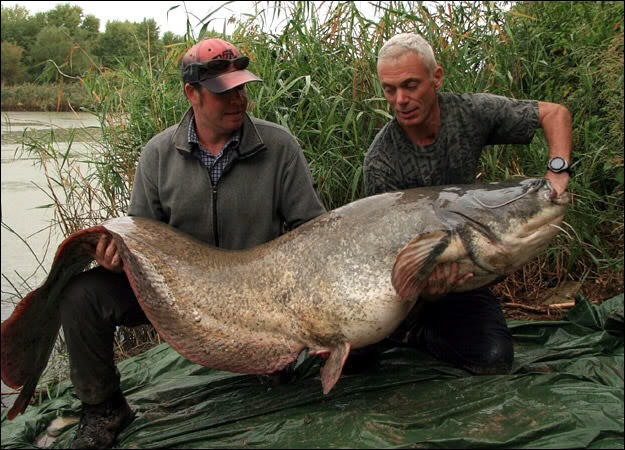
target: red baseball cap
<point>209,62</point>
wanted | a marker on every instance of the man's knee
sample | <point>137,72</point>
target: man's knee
<point>470,329</point>
<point>77,298</point>
<point>481,352</point>
<point>496,358</point>
<point>102,296</point>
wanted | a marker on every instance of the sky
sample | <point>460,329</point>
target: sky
<point>175,21</point>
<point>136,11</point>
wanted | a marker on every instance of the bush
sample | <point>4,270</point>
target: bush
<point>45,97</point>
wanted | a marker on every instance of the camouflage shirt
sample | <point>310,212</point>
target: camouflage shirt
<point>468,123</point>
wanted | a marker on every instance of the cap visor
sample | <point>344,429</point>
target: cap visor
<point>229,80</point>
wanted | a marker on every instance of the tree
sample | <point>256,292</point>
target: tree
<point>19,27</point>
<point>87,34</point>
<point>65,15</point>
<point>149,28</point>
<point>169,37</point>
<point>54,43</point>
<point>13,70</point>
<point>12,19</point>
<point>117,43</point>
<point>126,42</point>
<point>90,26</point>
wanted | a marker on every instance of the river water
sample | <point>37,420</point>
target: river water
<point>23,198</point>
<point>22,201</point>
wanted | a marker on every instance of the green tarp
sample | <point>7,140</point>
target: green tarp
<point>565,391</point>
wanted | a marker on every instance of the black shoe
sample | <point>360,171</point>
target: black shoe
<point>101,424</point>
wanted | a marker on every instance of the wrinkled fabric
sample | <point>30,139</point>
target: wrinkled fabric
<point>565,390</point>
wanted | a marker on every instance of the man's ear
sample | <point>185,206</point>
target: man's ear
<point>437,77</point>
<point>191,93</point>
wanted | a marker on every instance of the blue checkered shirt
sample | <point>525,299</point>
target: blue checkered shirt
<point>214,164</point>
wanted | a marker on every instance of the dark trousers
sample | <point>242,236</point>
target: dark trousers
<point>93,304</point>
<point>466,329</point>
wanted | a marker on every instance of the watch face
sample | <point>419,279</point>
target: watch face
<point>557,163</point>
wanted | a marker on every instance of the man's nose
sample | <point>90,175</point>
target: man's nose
<point>401,96</point>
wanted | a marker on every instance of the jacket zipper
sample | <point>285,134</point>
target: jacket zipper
<point>226,170</point>
<point>215,233</point>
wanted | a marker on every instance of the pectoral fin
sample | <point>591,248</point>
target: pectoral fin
<point>417,259</point>
<point>331,370</point>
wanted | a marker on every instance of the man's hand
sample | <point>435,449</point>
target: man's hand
<point>559,181</point>
<point>107,256</point>
<point>443,279</point>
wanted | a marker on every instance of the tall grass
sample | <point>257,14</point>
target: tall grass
<point>319,73</point>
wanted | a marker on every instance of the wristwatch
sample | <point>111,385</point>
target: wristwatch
<point>558,164</point>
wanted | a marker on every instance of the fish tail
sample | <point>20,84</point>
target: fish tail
<point>23,399</point>
<point>29,334</point>
<point>331,370</point>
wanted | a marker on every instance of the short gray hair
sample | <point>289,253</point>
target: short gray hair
<point>409,42</point>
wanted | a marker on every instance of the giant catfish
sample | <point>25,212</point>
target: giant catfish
<point>343,280</point>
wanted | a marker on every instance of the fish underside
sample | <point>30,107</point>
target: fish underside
<point>341,281</point>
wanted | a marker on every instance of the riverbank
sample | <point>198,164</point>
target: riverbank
<point>60,134</point>
<point>68,96</point>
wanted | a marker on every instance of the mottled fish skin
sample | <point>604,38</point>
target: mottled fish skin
<point>341,281</point>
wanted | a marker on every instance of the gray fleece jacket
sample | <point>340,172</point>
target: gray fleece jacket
<point>266,189</point>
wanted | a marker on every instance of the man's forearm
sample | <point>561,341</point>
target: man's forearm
<point>555,121</point>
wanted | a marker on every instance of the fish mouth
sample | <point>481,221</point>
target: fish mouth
<point>550,221</point>
<point>504,250</point>
<point>539,235</point>
<point>541,224</point>
<point>561,199</point>
<point>534,236</point>
<point>506,253</point>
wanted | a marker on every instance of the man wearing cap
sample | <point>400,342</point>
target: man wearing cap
<point>226,178</point>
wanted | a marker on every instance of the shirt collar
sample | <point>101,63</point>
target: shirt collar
<point>233,141</point>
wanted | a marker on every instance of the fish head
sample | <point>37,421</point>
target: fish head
<point>504,225</point>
